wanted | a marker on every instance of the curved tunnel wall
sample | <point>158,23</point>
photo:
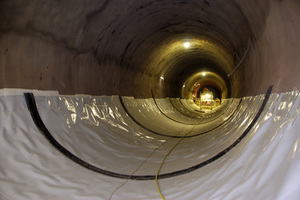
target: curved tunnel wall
<point>111,47</point>
<point>125,48</point>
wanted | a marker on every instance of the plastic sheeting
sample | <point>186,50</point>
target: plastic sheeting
<point>264,165</point>
<point>149,116</point>
<point>166,108</point>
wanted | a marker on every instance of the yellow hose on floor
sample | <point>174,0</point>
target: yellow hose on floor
<point>162,163</point>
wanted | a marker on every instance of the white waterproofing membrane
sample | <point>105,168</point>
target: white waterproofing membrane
<point>130,137</point>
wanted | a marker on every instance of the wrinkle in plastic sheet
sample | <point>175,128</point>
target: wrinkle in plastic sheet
<point>81,138</point>
<point>171,112</point>
<point>153,119</point>
<point>263,166</point>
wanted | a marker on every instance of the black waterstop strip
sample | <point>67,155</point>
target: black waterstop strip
<point>31,104</point>
<point>175,136</point>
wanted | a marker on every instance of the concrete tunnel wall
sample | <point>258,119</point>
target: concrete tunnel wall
<point>118,47</point>
<point>111,47</point>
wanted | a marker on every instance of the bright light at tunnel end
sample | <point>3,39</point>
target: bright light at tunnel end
<point>186,44</point>
<point>208,96</point>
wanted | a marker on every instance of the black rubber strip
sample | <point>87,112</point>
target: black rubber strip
<point>175,136</point>
<point>31,104</point>
<point>171,117</point>
<point>188,107</point>
<point>185,115</point>
<point>181,111</point>
<point>225,151</point>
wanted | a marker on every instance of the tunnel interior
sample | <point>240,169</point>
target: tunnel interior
<point>124,48</point>
<point>140,48</point>
<point>131,74</point>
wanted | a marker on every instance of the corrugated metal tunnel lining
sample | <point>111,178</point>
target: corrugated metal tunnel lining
<point>155,51</point>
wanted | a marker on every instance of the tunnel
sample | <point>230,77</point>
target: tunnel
<point>152,99</point>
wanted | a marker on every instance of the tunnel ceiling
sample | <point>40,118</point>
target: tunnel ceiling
<point>119,47</point>
<point>148,37</point>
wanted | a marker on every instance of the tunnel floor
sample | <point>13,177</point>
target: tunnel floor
<point>100,132</point>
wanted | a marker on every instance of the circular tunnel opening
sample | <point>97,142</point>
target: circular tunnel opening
<point>180,66</point>
<point>160,58</point>
<point>169,51</point>
<point>216,94</point>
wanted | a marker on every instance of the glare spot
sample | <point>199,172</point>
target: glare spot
<point>186,44</point>
<point>208,96</point>
<point>162,78</point>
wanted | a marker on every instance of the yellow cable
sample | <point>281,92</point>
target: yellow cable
<point>162,163</point>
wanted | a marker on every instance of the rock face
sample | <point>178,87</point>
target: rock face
<point>135,47</point>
